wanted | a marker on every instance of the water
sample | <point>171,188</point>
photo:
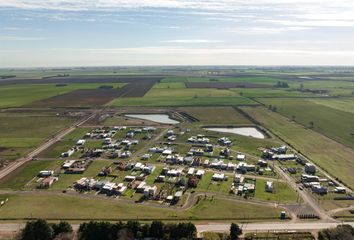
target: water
<point>244,131</point>
<point>159,118</point>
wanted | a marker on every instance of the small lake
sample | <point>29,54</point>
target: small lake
<point>159,118</point>
<point>244,131</point>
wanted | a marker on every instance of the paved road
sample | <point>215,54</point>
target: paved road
<point>225,227</point>
<point>16,164</point>
<point>281,226</point>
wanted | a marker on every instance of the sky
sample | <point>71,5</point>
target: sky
<point>57,33</point>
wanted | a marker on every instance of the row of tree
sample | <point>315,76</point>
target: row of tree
<point>42,230</point>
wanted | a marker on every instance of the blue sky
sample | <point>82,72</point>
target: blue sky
<point>57,33</point>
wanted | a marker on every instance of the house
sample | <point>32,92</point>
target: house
<point>284,157</point>
<point>317,188</point>
<point>218,177</point>
<point>68,153</point>
<point>146,156</point>
<point>340,190</point>
<point>178,195</point>
<point>280,150</point>
<point>141,187</point>
<point>167,152</point>
<point>309,178</point>
<point>200,173</point>
<point>249,187</point>
<point>68,164</point>
<point>107,141</point>
<point>240,157</point>
<point>48,181</point>
<point>148,169</point>
<point>269,186</point>
<point>310,168</point>
<point>45,173</point>
<point>209,148</point>
<point>224,141</point>
<point>262,163</point>
<point>190,171</point>
<point>150,192</point>
<point>206,163</point>
<point>170,132</point>
<point>238,179</point>
<point>81,142</point>
<point>129,178</point>
<point>138,166</point>
<point>244,167</point>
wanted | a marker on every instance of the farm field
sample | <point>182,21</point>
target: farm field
<point>23,131</point>
<point>23,94</point>
<point>330,155</point>
<point>343,104</point>
<point>61,206</point>
<point>324,118</point>
<point>182,101</point>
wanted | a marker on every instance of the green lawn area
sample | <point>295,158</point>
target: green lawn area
<point>283,192</point>
<point>66,180</point>
<point>23,94</point>
<point>182,101</point>
<point>21,132</point>
<point>335,158</point>
<point>21,176</point>
<point>55,150</point>
<point>78,133</point>
<point>166,85</point>
<point>76,208</point>
<point>189,93</point>
<point>324,118</point>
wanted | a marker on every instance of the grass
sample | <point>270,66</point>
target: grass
<point>66,180</point>
<point>167,85</point>
<point>189,93</point>
<point>76,208</point>
<point>343,104</point>
<point>77,134</point>
<point>333,157</point>
<point>55,150</point>
<point>23,94</point>
<point>283,193</point>
<point>21,132</point>
<point>21,176</point>
<point>324,118</point>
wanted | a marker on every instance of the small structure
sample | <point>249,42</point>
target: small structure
<point>218,177</point>
<point>269,186</point>
<point>310,168</point>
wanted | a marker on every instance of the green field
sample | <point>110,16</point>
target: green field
<point>76,208</point>
<point>23,94</point>
<point>334,123</point>
<point>182,101</point>
<point>283,192</point>
<point>335,158</point>
<point>21,176</point>
<point>21,132</point>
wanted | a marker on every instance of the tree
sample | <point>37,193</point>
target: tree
<point>293,118</point>
<point>311,124</point>
<point>343,232</point>
<point>37,230</point>
<point>62,227</point>
<point>235,231</point>
<point>157,229</point>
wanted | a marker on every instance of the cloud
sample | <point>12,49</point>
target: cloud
<point>192,41</point>
<point>18,38</point>
<point>265,30</point>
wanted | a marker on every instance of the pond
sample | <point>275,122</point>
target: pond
<point>244,131</point>
<point>159,118</point>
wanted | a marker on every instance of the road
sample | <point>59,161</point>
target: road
<point>16,164</point>
<point>274,226</point>
<point>225,227</point>
<point>305,195</point>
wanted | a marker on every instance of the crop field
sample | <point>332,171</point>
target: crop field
<point>216,115</point>
<point>22,132</point>
<point>324,118</point>
<point>330,155</point>
<point>343,104</point>
<point>224,85</point>
<point>23,94</point>
<point>183,101</point>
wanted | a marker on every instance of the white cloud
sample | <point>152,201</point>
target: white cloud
<point>192,41</point>
<point>20,38</point>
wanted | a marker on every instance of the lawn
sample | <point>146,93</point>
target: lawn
<point>335,158</point>
<point>22,175</point>
<point>283,192</point>
<point>76,208</point>
<point>78,133</point>
<point>55,150</point>
<point>324,118</point>
<point>24,94</point>
<point>66,180</point>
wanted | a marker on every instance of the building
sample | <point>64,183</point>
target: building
<point>269,186</point>
<point>45,173</point>
<point>238,179</point>
<point>218,177</point>
<point>80,142</point>
<point>310,168</point>
<point>150,192</point>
